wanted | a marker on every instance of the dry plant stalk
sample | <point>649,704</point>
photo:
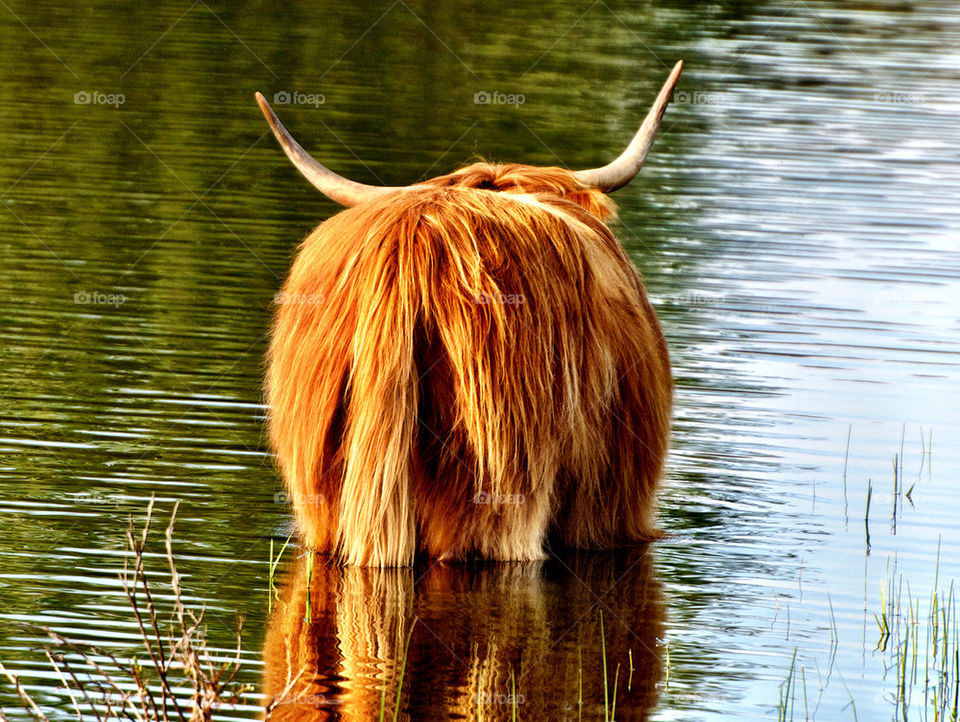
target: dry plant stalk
<point>113,688</point>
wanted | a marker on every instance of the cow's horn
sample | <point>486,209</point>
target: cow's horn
<point>337,188</point>
<point>621,171</point>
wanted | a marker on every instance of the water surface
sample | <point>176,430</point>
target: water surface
<point>797,226</point>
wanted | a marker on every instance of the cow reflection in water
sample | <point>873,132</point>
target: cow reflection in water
<point>481,631</point>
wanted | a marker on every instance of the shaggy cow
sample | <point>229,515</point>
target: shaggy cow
<point>469,365</point>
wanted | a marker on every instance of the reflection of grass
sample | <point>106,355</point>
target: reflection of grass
<point>902,632</point>
<point>901,491</point>
<point>921,650</point>
<point>610,696</point>
<point>788,692</point>
<point>918,641</point>
<point>403,670</point>
<point>106,687</point>
<point>579,684</point>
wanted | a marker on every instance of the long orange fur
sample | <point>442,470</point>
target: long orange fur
<point>469,367</point>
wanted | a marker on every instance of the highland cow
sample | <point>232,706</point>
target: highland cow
<point>469,366</point>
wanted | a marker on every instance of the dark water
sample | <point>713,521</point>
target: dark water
<point>797,225</point>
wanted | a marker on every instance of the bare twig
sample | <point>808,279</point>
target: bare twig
<point>83,690</point>
<point>63,680</point>
<point>118,689</point>
<point>24,697</point>
<point>157,655</point>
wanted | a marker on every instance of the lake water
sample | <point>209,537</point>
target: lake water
<point>797,225</point>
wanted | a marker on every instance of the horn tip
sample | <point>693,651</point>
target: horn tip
<point>267,110</point>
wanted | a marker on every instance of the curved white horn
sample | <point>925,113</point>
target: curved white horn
<point>621,171</point>
<point>337,188</point>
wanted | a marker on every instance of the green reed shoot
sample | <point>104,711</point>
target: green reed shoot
<point>272,591</point>
<point>603,653</point>
<point>308,612</point>
<point>403,671</point>
<point>787,692</point>
<point>579,684</point>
